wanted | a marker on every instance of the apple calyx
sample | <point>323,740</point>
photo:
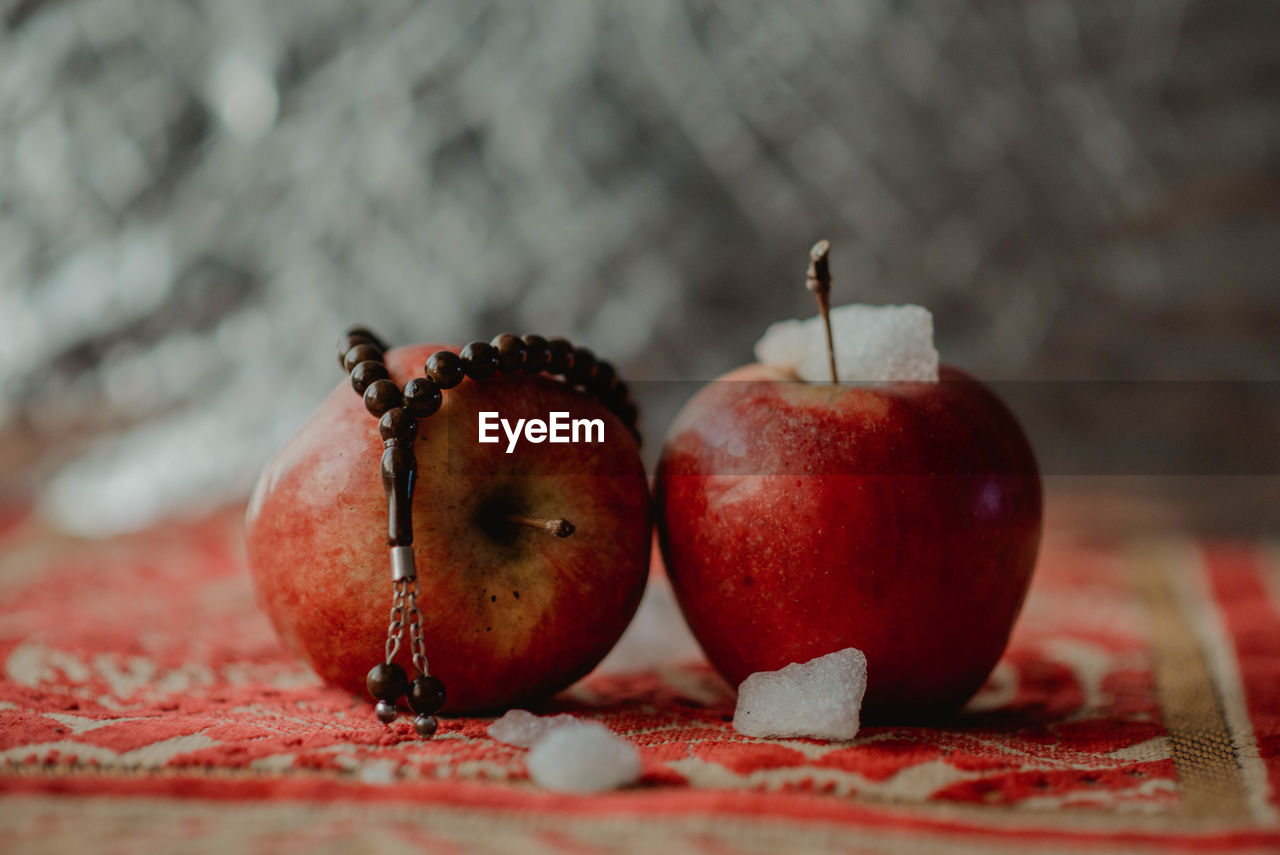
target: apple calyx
<point>818,280</point>
<point>557,527</point>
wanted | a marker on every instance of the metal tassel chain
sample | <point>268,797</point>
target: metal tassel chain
<point>415,627</point>
<point>396,628</point>
<point>405,601</point>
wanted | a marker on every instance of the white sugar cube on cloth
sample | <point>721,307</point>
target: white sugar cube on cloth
<point>522,728</point>
<point>821,698</point>
<point>569,754</point>
<point>873,344</point>
<point>586,758</point>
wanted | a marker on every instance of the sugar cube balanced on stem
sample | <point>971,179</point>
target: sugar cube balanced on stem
<point>847,491</point>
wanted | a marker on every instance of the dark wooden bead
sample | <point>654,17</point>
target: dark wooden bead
<point>380,396</point>
<point>387,681</point>
<point>426,695</point>
<point>361,353</point>
<point>422,397</point>
<point>366,373</point>
<point>386,712</point>
<point>510,352</point>
<point>444,368</point>
<point>426,726</point>
<point>584,362</point>
<point>398,423</point>
<point>361,331</point>
<point>628,413</point>
<point>602,379</point>
<point>349,341</point>
<point>537,354</point>
<point>561,359</point>
<point>616,396</point>
<point>479,360</point>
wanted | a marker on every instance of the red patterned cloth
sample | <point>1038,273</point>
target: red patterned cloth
<point>145,703</point>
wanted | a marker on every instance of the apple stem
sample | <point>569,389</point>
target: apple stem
<point>818,280</point>
<point>558,527</point>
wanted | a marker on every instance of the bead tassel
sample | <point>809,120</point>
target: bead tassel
<point>360,353</point>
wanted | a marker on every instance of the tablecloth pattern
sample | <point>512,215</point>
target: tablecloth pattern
<point>145,702</point>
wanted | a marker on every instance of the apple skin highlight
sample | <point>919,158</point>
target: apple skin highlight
<point>510,615</point>
<point>902,519</point>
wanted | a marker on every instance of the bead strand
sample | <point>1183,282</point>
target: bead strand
<point>361,355</point>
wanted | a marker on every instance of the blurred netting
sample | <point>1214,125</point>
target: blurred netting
<point>196,197</point>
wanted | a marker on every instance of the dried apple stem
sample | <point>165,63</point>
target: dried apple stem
<point>818,280</point>
<point>558,527</point>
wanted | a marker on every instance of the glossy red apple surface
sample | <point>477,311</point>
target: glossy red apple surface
<point>903,519</point>
<point>510,613</point>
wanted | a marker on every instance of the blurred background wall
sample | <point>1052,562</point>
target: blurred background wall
<point>197,197</point>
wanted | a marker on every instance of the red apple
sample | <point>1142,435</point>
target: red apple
<point>798,519</point>
<point>510,613</point>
